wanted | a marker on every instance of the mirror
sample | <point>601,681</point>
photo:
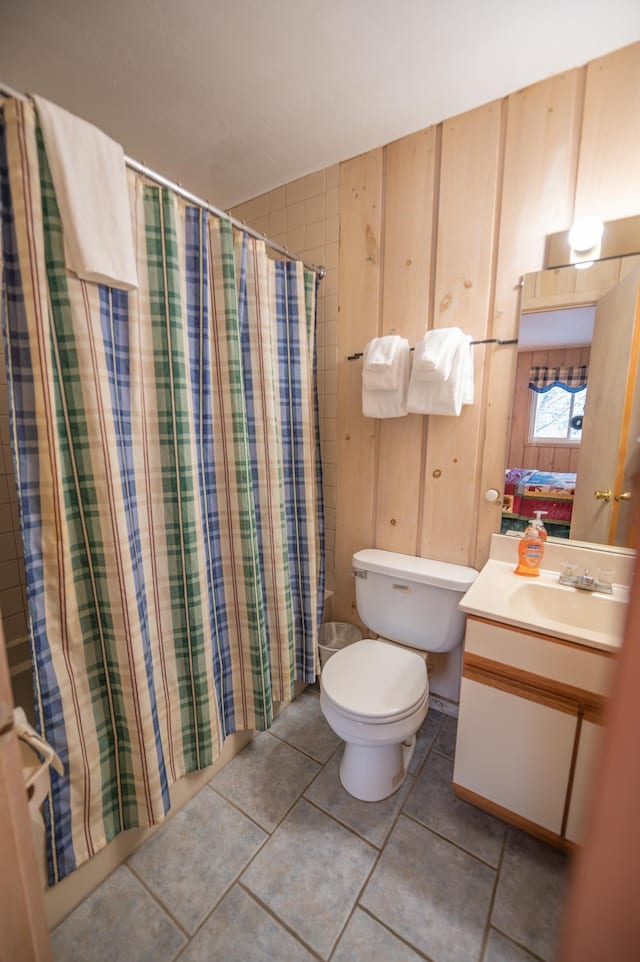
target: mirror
<point>575,418</point>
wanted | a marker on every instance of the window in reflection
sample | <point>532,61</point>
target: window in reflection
<point>546,428</point>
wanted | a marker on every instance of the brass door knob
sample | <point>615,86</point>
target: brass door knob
<point>602,495</point>
<point>625,496</point>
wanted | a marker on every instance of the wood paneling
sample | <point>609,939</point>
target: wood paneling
<point>358,320</point>
<point>470,205</point>
<point>464,267</point>
<point>540,163</point>
<point>522,452</point>
<point>410,170</point>
<point>609,172</point>
<point>569,287</point>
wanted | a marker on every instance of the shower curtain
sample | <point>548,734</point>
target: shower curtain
<point>166,452</point>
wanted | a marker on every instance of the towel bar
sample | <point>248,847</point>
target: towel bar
<point>489,340</point>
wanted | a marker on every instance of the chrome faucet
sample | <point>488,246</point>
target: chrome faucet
<point>586,582</point>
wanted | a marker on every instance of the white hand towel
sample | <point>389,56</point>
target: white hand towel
<point>380,367</point>
<point>445,397</point>
<point>468,376</point>
<point>90,181</point>
<point>385,403</point>
<point>381,351</point>
<point>435,352</point>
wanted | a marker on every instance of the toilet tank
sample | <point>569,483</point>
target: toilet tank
<point>411,600</point>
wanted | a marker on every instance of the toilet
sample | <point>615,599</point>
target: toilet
<point>375,693</point>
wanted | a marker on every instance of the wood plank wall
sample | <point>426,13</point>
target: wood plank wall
<point>522,452</point>
<point>437,229</point>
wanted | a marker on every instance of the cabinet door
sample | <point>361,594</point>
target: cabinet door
<point>588,749</point>
<point>515,751</point>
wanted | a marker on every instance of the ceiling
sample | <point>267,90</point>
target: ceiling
<point>235,97</point>
<point>546,330</point>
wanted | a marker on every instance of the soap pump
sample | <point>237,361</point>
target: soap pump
<point>531,548</point>
<point>537,523</point>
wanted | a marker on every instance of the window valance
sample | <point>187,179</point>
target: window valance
<point>573,379</point>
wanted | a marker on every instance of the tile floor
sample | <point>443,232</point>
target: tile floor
<point>273,862</point>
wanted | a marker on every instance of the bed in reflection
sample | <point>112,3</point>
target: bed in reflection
<point>527,490</point>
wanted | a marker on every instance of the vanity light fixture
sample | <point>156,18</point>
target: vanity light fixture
<point>585,240</point>
<point>590,240</point>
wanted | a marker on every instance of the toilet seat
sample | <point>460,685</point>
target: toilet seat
<point>375,682</point>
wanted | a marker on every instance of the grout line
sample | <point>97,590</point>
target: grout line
<point>413,776</point>
<point>211,911</point>
<point>312,758</point>
<point>158,901</point>
<point>450,758</point>
<point>267,908</point>
<point>496,882</point>
<point>346,828</point>
<point>524,948</point>
<point>378,850</point>
<point>396,935</point>
<point>350,828</point>
<point>235,805</point>
<point>269,831</point>
<point>330,815</point>
<point>357,904</point>
<point>378,853</point>
<point>213,908</point>
<point>427,828</point>
<point>376,862</point>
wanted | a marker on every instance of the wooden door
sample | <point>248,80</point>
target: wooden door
<point>24,933</point>
<point>608,417</point>
<point>626,521</point>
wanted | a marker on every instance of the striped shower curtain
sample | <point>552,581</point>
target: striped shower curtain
<point>166,454</point>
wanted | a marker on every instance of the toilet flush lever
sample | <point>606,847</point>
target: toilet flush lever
<point>404,588</point>
<point>358,574</point>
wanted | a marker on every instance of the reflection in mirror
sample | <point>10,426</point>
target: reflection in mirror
<point>575,416</point>
<point>546,427</point>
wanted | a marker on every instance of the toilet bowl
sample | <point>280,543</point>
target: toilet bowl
<point>375,693</point>
<point>375,698</point>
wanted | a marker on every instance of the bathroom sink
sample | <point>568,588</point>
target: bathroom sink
<point>543,605</point>
<point>568,606</point>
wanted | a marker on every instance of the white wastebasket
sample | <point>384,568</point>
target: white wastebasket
<point>333,636</point>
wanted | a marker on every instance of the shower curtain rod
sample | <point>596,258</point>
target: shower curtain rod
<point>157,178</point>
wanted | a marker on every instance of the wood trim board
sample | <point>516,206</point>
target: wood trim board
<point>506,815</point>
<point>547,691</point>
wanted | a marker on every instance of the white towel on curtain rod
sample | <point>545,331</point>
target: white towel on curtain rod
<point>90,181</point>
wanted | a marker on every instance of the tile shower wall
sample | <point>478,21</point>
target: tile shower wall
<point>13,602</point>
<point>303,216</point>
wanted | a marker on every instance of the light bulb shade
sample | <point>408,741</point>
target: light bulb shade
<point>586,234</point>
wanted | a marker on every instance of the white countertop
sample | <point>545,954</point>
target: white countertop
<point>587,618</point>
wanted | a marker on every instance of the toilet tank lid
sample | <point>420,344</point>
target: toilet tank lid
<point>442,574</point>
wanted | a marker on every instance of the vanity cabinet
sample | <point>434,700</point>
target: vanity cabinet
<point>529,727</point>
<point>586,758</point>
